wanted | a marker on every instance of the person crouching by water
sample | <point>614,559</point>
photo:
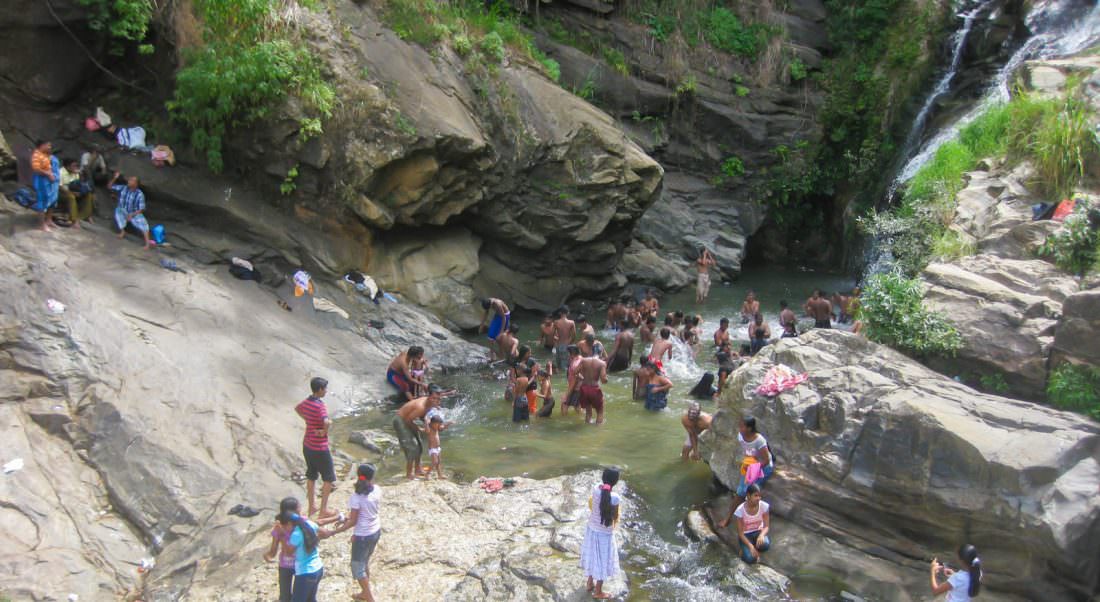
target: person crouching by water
<point>754,450</point>
<point>963,584</point>
<point>303,539</point>
<point>753,523</point>
<point>408,433</point>
<point>599,554</point>
<point>695,422</point>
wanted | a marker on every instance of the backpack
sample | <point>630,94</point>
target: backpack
<point>24,197</point>
<point>158,234</point>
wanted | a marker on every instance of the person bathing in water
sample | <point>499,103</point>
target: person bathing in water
<point>508,344</point>
<point>521,411</point>
<point>623,350</point>
<point>695,421</point>
<point>572,391</point>
<point>400,376</point>
<point>819,308</point>
<point>546,392</point>
<point>648,331</point>
<point>584,328</point>
<point>502,317</point>
<point>662,346</point>
<point>702,282</point>
<point>722,335</point>
<point>657,386</point>
<point>788,321</point>
<point>749,308</point>
<point>546,333</point>
<point>590,373</point>
<point>641,376</point>
<point>565,334</point>
<point>759,334</point>
<point>408,433</point>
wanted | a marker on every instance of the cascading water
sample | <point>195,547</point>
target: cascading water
<point>1057,27</point>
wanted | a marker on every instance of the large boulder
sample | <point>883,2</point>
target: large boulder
<point>157,400</point>
<point>46,50</point>
<point>1076,338</point>
<point>892,459</point>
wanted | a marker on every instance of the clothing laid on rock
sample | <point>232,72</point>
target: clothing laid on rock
<point>364,284</point>
<point>779,378</point>
<point>599,554</point>
<point>303,283</point>
<point>132,138</point>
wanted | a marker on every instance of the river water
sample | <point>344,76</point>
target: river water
<point>646,445</point>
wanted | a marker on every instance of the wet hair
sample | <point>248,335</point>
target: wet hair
<point>316,384</point>
<point>817,292</point>
<point>557,314</point>
<point>288,514</point>
<point>523,350</point>
<point>752,489</point>
<point>364,475</point>
<point>608,512</point>
<point>745,349</point>
<point>485,303</point>
<point>573,350</point>
<point>415,351</point>
<point>750,423</point>
<point>590,338</point>
<point>665,332</point>
<point>434,389</point>
<point>724,321</point>
<point>694,410</point>
<point>532,386</point>
<point>582,318</point>
<point>783,304</point>
<point>513,328</point>
<point>758,318</point>
<point>436,418</point>
<point>678,314</point>
<point>969,555</point>
<point>668,320</point>
<point>651,320</point>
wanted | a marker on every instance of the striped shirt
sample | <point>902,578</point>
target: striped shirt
<point>40,162</point>
<point>313,411</point>
<point>129,201</point>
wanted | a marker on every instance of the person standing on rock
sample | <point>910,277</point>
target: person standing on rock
<point>303,540</point>
<point>702,283</point>
<point>599,554</point>
<point>961,585</point>
<point>754,450</point>
<point>130,208</point>
<point>315,446</point>
<point>788,321</point>
<point>819,308</point>
<point>408,433</point>
<point>694,422</point>
<point>623,351</point>
<point>753,523</point>
<point>46,181</point>
<point>502,317</point>
<point>565,334</point>
<point>363,518</point>
<point>590,373</point>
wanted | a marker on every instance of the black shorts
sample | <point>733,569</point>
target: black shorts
<point>319,463</point>
<point>822,323</point>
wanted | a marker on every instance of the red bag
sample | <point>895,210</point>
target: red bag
<point>1063,210</point>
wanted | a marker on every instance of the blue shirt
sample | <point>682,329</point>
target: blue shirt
<point>130,201</point>
<point>305,563</point>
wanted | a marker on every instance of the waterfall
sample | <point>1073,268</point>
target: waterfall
<point>1058,28</point>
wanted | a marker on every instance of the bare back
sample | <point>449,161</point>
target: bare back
<point>565,331</point>
<point>660,348</point>
<point>592,370</point>
<point>414,410</point>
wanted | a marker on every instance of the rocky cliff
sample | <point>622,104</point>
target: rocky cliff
<point>881,455</point>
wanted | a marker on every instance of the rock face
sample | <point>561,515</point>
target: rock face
<point>1005,303</point>
<point>29,24</point>
<point>158,400</point>
<point>889,458</point>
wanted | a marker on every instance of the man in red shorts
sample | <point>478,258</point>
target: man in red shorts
<point>590,372</point>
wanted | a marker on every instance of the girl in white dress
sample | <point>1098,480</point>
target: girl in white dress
<point>599,554</point>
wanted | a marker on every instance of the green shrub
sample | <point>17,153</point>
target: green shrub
<point>550,66</point>
<point>248,63</point>
<point>462,44</point>
<point>994,382</point>
<point>617,60</point>
<point>289,184</point>
<point>740,91</point>
<point>1075,247</point>
<point>893,314</point>
<point>797,69</point>
<point>688,86</point>
<point>723,30</point>
<point>492,45</point>
<point>587,90</point>
<point>733,167</point>
<point>1057,136</point>
<point>950,244</point>
<point>1075,388</point>
<point>122,20</point>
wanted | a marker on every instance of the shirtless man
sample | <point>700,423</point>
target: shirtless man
<point>408,433</point>
<point>702,283</point>
<point>819,308</point>
<point>572,391</point>
<point>788,321</point>
<point>759,333</point>
<point>722,335</point>
<point>695,421</point>
<point>616,315</point>
<point>546,333</point>
<point>662,346</point>
<point>650,305</point>
<point>623,351</point>
<point>590,347</point>
<point>749,308</point>
<point>590,372</point>
<point>853,304</point>
<point>502,317</point>
<point>565,334</point>
<point>633,315</point>
<point>641,377</point>
<point>840,303</point>
<point>399,373</point>
<point>674,319</point>
<point>646,332</point>
<point>583,327</point>
<point>508,344</point>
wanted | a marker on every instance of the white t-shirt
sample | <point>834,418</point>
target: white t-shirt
<point>368,522</point>
<point>960,587</point>
<point>594,516</point>
<point>753,522</point>
<point>751,448</point>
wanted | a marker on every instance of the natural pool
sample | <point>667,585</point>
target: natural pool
<point>646,445</point>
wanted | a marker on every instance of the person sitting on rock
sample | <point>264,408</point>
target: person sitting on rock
<point>753,524</point>
<point>695,421</point>
<point>93,167</point>
<point>759,334</point>
<point>754,449</point>
<point>77,194</point>
<point>399,373</point>
<point>131,207</point>
<point>961,585</point>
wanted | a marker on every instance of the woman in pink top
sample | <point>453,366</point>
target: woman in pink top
<point>280,533</point>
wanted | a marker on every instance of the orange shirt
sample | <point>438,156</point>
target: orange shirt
<point>40,162</point>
